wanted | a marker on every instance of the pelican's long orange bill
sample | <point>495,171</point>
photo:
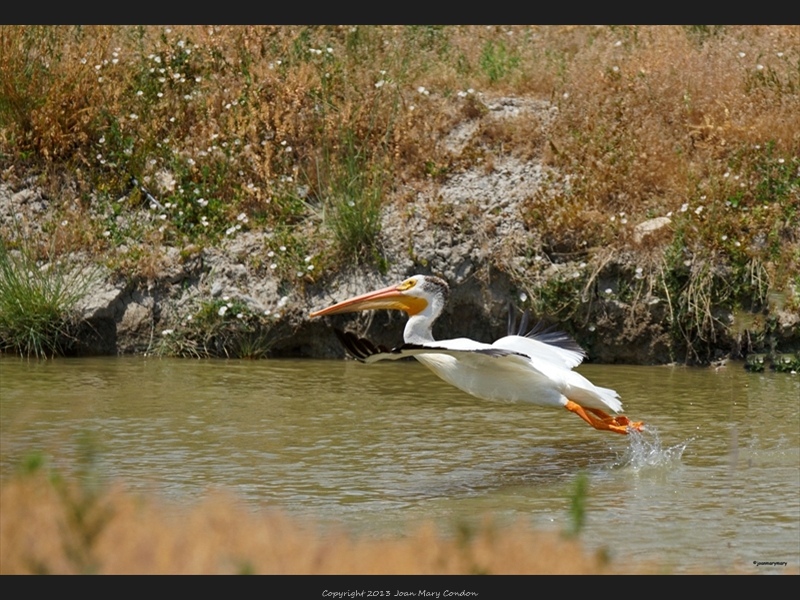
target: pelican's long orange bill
<point>390,298</point>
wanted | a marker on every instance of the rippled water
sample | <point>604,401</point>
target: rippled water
<point>714,482</point>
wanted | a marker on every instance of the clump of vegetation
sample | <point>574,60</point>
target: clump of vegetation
<point>222,328</point>
<point>37,299</point>
<point>52,525</point>
<point>577,504</point>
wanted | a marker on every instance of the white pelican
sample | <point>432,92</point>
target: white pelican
<point>535,368</point>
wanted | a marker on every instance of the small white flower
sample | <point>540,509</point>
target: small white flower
<point>760,67</point>
<point>273,266</point>
<point>781,161</point>
<point>592,328</point>
<point>379,83</point>
<point>684,207</point>
<point>168,332</point>
<point>310,267</point>
<point>420,89</point>
<point>133,116</point>
<point>779,54</point>
<point>239,315</point>
<point>106,233</point>
<point>687,263</point>
<point>299,273</point>
<point>609,291</point>
<point>282,248</point>
<point>523,297</point>
<point>742,54</point>
<point>698,210</point>
<point>139,93</point>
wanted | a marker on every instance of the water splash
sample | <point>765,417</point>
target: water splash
<point>647,451</point>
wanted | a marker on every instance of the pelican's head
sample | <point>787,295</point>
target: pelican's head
<point>417,294</point>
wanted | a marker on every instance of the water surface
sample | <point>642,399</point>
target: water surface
<point>714,484</point>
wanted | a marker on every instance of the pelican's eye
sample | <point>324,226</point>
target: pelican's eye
<point>406,285</point>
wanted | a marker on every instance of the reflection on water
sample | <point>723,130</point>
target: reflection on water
<point>713,482</point>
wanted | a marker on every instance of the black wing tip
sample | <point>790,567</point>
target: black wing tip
<point>542,332</point>
<point>358,347</point>
<point>554,337</point>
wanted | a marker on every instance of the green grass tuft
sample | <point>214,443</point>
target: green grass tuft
<point>36,303</point>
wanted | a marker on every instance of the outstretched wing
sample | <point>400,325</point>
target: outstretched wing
<point>365,351</point>
<point>541,343</point>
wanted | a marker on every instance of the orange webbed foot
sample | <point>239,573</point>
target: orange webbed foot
<point>600,420</point>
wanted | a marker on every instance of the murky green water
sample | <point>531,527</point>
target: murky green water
<point>379,448</point>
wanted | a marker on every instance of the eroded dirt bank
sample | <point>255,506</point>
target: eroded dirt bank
<point>471,228</point>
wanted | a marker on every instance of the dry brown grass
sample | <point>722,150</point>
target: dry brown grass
<point>47,528</point>
<point>649,117</point>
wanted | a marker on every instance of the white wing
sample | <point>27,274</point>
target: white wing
<point>541,351</point>
<point>494,372</point>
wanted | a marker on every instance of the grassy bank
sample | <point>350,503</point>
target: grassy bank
<point>56,525</point>
<point>184,136</point>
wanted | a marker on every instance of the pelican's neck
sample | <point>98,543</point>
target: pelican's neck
<point>419,328</point>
